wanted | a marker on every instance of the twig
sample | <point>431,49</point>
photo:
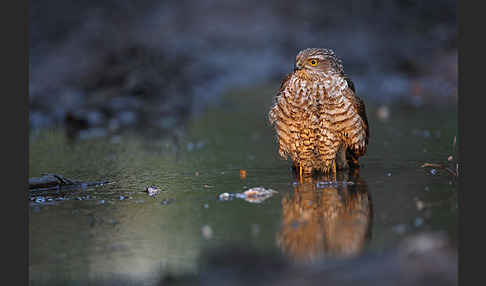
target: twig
<point>440,166</point>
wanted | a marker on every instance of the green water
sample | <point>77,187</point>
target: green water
<point>93,233</point>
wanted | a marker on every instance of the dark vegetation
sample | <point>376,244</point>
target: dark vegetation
<point>102,67</point>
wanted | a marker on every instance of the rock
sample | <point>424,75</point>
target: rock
<point>152,190</point>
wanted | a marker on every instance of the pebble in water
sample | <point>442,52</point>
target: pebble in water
<point>152,190</point>
<point>167,201</point>
<point>225,196</point>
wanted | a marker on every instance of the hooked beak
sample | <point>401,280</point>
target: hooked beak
<point>297,67</point>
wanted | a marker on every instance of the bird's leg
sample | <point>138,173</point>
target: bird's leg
<point>300,172</point>
<point>334,170</point>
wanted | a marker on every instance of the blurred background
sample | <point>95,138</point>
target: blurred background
<point>175,94</point>
<point>112,65</point>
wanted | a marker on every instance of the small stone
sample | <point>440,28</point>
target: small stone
<point>197,173</point>
<point>122,198</point>
<point>152,190</point>
<point>389,174</point>
<point>433,171</point>
<point>224,196</point>
<point>167,201</point>
<point>450,158</point>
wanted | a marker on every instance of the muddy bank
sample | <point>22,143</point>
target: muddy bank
<point>422,259</point>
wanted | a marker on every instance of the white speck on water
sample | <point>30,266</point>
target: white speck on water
<point>420,205</point>
<point>206,206</point>
<point>389,174</point>
<point>122,198</point>
<point>433,171</point>
<point>427,188</point>
<point>207,232</point>
<point>225,196</point>
<point>40,199</point>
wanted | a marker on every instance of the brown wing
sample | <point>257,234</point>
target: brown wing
<point>352,154</point>
<point>284,82</point>
<point>360,106</point>
<point>272,114</point>
<point>279,117</point>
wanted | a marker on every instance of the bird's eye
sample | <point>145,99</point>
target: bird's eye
<point>313,62</point>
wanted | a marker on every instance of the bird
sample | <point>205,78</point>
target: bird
<point>320,123</point>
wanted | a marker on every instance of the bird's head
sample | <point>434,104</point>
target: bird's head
<point>314,60</point>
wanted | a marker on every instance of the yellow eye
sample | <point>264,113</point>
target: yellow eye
<point>313,62</point>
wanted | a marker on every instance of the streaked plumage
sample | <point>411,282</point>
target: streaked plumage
<point>318,119</point>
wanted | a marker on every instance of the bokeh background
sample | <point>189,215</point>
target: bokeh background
<point>200,75</point>
<point>101,67</point>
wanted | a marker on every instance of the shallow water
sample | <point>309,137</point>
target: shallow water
<point>118,229</point>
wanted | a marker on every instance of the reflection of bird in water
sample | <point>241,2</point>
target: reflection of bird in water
<point>319,120</point>
<point>330,220</point>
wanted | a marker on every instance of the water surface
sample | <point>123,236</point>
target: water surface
<point>117,229</point>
